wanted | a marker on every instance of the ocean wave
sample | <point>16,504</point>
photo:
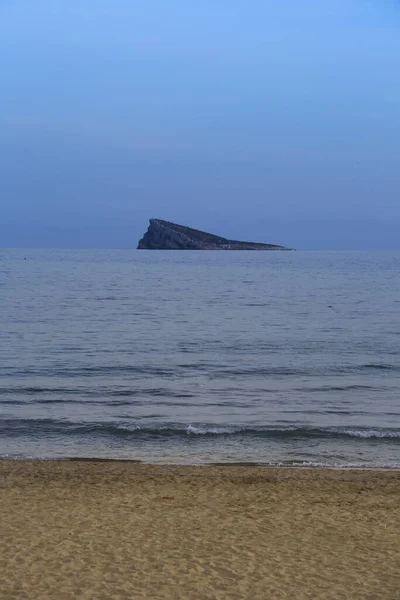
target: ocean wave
<point>220,370</point>
<point>100,394</point>
<point>32,427</point>
<point>339,388</point>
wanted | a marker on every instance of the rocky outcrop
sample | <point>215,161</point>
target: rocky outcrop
<point>163,235</point>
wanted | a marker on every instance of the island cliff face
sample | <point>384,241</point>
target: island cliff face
<point>163,235</point>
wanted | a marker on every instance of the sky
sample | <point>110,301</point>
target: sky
<point>270,120</point>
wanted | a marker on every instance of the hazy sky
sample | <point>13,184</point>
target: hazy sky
<point>272,120</point>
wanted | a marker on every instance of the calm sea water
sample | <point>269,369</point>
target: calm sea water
<point>283,358</point>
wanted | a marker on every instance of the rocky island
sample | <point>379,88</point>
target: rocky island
<point>163,235</point>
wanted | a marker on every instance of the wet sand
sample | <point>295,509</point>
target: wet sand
<point>104,530</point>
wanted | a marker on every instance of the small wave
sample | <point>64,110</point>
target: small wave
<point>32,390</point>
<point>78,394</point>
<point>338,388</point>
<point>12,402</point>
<point>258,304</point>
<point>211,370</point>
<point>381,366</point>
<point>94,371</point>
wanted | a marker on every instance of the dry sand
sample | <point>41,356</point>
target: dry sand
<point>116,530</point>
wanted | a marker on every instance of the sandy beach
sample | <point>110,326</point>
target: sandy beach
<point>105,529</point>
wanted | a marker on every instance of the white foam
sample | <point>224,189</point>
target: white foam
<point>335,465</point>
<point>191,429</point>
<point>372,433</point>
<point>129,427</point>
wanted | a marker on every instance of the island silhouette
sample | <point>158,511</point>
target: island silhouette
<point>164,235</point>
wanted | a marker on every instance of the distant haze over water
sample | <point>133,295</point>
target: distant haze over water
<point>193,357</point>
<point>275,122</point>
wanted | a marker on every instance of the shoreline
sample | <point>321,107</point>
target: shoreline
<point>244,464</point>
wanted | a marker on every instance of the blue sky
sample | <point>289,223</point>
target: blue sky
<point>276,121</point>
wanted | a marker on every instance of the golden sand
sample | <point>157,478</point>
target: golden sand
<point>119,530</point>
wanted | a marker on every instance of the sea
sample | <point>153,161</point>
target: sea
<point>278,358</point>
